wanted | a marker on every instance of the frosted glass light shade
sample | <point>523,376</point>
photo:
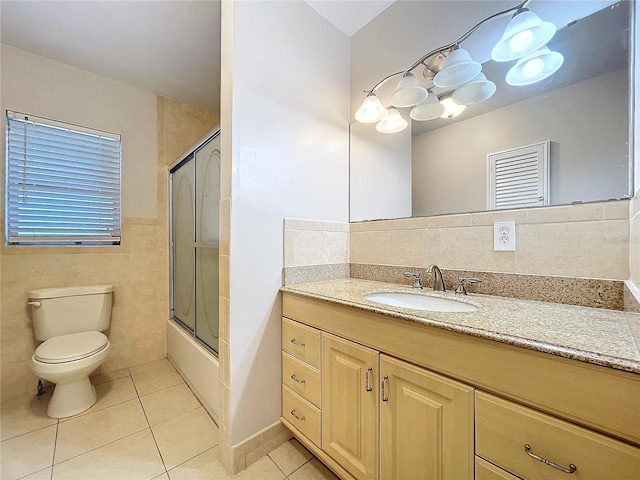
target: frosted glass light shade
<point>458,68</point>
<point>409,92</point>
<point>427,110</point>
<point>525,34</point>
<point>451,108</point>
<point>392,123</point>
<point>534,67</point>
<point>476,91</point>
<point>371,110</point>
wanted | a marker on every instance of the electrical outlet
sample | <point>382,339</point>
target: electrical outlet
<point>504,236</point>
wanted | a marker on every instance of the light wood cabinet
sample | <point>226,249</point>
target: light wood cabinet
<point>350,400</point>
<point>426,424</point>
<point>397,402</point>
<point>531,444</point>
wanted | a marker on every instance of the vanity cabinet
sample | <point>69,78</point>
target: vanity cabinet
<point>404,400</point>
<point>426,424</point>
<point>350,399</point>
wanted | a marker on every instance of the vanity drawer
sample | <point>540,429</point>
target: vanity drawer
<point>488,471</point>
<point>301,341</point>
<point>304,416</point>
<point>301,378</point>
<point>504,428</point>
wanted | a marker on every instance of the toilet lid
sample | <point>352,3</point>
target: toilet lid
<point>67,348</point>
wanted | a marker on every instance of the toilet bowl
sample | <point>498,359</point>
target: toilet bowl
<point>70,320</point>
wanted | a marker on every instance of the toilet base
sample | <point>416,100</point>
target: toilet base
<point>69,399</point>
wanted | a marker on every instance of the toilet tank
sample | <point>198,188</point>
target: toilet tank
<point>65,310</point>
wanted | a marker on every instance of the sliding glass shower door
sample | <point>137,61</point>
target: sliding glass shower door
<point>195,191</point>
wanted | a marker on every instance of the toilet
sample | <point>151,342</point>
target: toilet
<point>69,322</point>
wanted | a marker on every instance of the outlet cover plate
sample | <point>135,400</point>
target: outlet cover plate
<point>504,236</point>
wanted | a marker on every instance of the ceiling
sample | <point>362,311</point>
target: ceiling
<point>171,48</point>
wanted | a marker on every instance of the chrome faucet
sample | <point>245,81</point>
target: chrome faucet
<point>438,281</point>
<point>416,279</point>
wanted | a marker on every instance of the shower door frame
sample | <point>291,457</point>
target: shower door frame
<point>186,157</point>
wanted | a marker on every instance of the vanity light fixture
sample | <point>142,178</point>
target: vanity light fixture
<point>451,67</point>
<point>392,123</point>
<point>409,92</point>
<point>534,67</point>
<point>451,108</point>
<point>428,110</point>
<point>524,34</point>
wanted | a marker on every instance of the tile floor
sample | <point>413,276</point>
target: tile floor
<point>145,425</point>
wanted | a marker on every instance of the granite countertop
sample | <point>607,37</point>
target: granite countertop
<point>602,337</point>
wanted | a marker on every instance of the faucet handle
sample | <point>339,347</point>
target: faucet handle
<point>416,276</point>
<point>462,289</point>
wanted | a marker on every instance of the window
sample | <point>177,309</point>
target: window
<point>519,177</point>
<point>62,183</point>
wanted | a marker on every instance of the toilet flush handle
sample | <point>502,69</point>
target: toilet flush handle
<point>35,304</point>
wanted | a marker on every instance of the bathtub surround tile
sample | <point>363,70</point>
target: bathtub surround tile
<point>168,403</point>
<point>82,434</point>
<point>185,436</point>
<point>290,456</point>
<point>154,379</point>
<point>137,458</point>
<point>27,453</point>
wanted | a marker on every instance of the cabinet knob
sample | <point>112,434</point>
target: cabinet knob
<point>367,387</point>
<point>296,379</point>
<point>384,397</point>
<point>296,343</point>
<point>293,413</point>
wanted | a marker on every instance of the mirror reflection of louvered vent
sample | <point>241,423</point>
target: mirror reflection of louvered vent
<point>519,177</point>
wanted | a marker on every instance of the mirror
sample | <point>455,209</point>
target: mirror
<point>442,166</point>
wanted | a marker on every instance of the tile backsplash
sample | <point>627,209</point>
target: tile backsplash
<point>576,254</point>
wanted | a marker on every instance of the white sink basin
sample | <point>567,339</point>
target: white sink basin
<point>420,302</point>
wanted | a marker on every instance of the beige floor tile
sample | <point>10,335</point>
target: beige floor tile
<point>109,394</point>
<point>264,469</point>
<point>109,376</point>
<point>168,403</point>
<point>41,475</point>
<point>149,381</point>
<point>81,434</point>
<point>164,476</point>
<point>25,413</point>
<point>131,458</point>
<point>143,367</point>
<point>182,438</point>
<point>313,470</point>
<point>290,456</point>
<point>27,453</point>
<point>202,467</point>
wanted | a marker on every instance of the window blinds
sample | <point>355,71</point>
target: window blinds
<point>519,177</point>
<point>63,183</point>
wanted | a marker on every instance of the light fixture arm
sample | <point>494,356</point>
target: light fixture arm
<point>447,47</point>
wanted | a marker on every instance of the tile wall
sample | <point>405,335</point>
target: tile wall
<point>587,240</point>
<point>138,269</point>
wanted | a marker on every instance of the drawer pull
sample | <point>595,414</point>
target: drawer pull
<point>296,379</point>
<point>572,468</point>
<point>297,344</point>
<point>366,380</point>
<point>384,380</point>
<point>293,413</point>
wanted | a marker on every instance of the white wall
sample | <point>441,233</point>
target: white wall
<point>290,157</point>
<point>380,173</point>
<point>38,86</point>
<point>587,124</point>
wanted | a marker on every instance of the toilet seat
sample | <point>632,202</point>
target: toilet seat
<point>72,347</point>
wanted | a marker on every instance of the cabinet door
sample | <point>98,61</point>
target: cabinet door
<point>350,405</point>
<point>426,424</point>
